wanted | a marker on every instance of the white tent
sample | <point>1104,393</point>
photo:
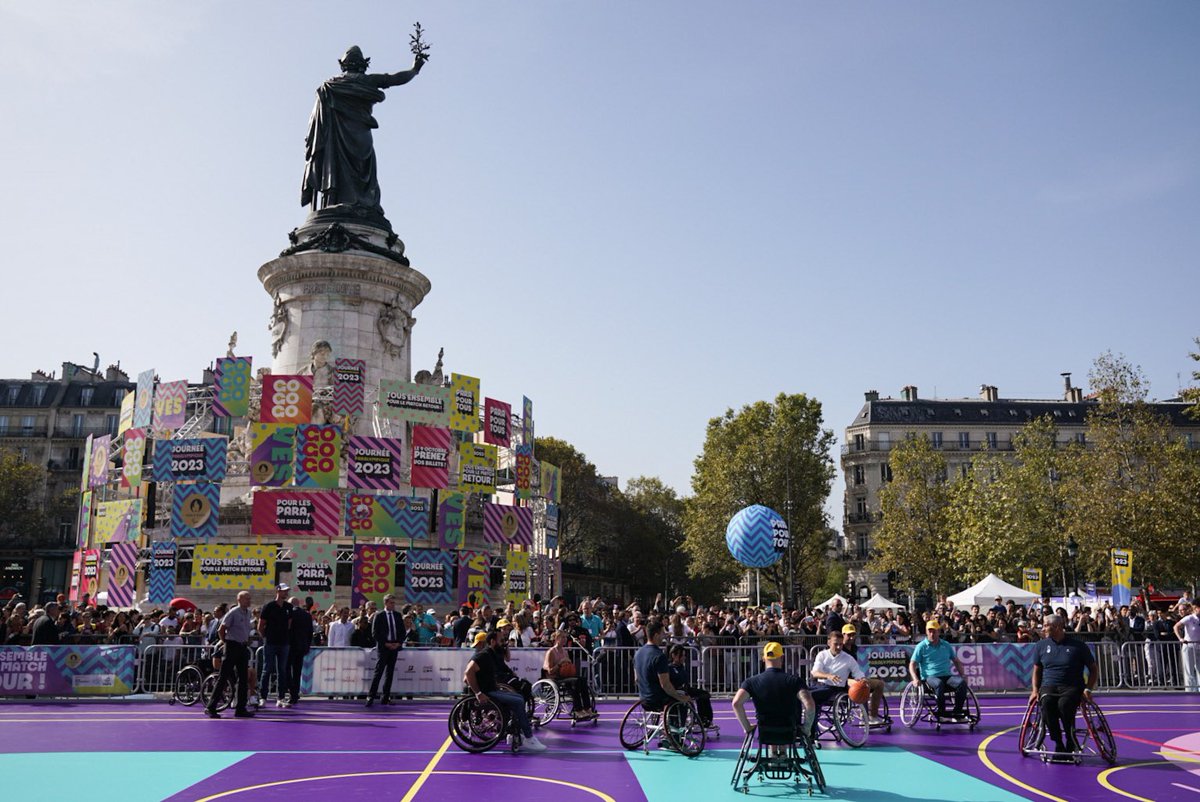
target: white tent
<point>985,593</point>
<point>878,602</point>
<point>831,600</point>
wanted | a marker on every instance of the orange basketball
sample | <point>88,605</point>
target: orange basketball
<point>566,669</point>
<point>859,691</point>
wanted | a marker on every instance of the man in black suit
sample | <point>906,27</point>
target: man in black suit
<point>45,629</point>
<point>388,628</point>
<point>301,635</point>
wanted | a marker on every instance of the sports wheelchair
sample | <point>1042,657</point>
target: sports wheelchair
<point>847,721</point>
<point>552,700</point>
<point>919,703</point>
<point>781,755</point>
<point>1094,737</point>
<point>477,726</point>
<point>677,726</point>
<point>209,686</point>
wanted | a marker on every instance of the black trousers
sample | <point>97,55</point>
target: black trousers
<point>1059,704</point>
<point>386,664</point>
<point>295,668</point>
<point>235,664</point>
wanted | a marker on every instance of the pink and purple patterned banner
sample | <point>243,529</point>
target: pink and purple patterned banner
<point>349,385</point>
<point>430,457</point>
<point>497,422</point>
<point>474,577</point>
<point>374,573</point>
<point>508,525</point>
<point>170,406</point>
<point>373,463</point>
<point>315,513</point>
<point>122,560</point>
<point>231,387</point>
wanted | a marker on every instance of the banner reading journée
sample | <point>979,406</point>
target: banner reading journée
<point>474,577</point>
<point>295,513</point>
<point>122,560</point>
<point>231,387</point>
<point>373,463</point>
<point>516,577</point>
<point>1032,580</point>
<point>1122,576</point>
<point>90,583</point>
<point>162,572</point>
<point>429,576</point>
<point>312,572</point>
<point>349,385</point>
<point>200,459</point>
<point>374,573</point>
<point>430,457</point>
<point>225,567</point>
<point>497,422</point>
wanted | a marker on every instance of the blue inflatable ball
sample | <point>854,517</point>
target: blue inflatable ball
<point>750,536</point>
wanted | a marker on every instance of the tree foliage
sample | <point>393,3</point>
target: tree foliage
<point>22,489</point>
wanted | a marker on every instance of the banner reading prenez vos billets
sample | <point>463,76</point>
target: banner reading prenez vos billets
<point>430,457</point>
<point>291,513</point>
<point>226,567</point>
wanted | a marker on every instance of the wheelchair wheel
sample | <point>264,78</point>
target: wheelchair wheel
<point>740,765</point>
<point>912,701</point>
<point>187,686</point>
<point>850,721</point>
<point>814,765</point>
<point>1098,729</point>
<point>633,727</point>
<point>210,685</point>
<point>684,730</point>
<point>476,726</point>
<point>1031,729</point>
<point>972,703</point>
<point>546,701</point>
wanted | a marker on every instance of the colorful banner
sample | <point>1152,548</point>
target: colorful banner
<point>429,577</point>
<point>387,516</point>
<point>451,520</point>
<point>163,558</point>
<point>98,475</point>
<point>374,573</point>
<point>122,562</point>
<point>202,459</point>
<point>91,670</point>
<point>286,399</point>
<point>349,386</point>
<point>133,458</point>
<point>474,578</point>
<point>551,483</point>
<point>497,422</point>
<point>527,423</point>
<point>196,510</point>
<point>424,404</point>
<point>516,577</point>
<point>231,387</point>
<point>551,525</point>
<point>313,572</point>
<point>76,576</point>
<point>318,455</point>
<point>430,457</point>
<point>1122,576</point>
<point>85,482</point>
<point>125,422</point>
<point>170,406</point>
<point>1032,580</point>
<point>524,460</point>
<point>508,525</point>
<point>464,409</point>
<point>296,513</point>
<point>84,524</point>
<point>227,567</point>
<point>271,448</point>
<point>90,583</point>
<point>374,462</point>
<point>476,468</point>
<point>143,405</point>
<point>117,522</point>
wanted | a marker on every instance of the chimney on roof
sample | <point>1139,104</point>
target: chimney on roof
<point>909,393</point>
<point>114,374</point>
<point>988,392</point>
<point>1067,394</point>
<point>871,395</point>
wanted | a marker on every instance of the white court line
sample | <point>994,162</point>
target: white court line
<point>1186,787</point>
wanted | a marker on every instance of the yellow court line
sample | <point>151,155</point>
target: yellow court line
<point>433,761</point>
<point>987,761</point>
<point>1102,778</point>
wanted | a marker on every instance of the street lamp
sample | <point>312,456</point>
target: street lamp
<point>1073,552</point>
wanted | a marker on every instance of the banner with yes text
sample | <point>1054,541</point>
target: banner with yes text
<point>271,449</point>
<point>451,520</point>
<point>170,406</point>
<point>474,577</point>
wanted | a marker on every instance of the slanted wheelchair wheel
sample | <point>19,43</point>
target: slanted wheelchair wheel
<point>850,721</point>
<point>972,708</point>
<point>1098,729</point>
<point>684,729</point>
<point>546,701</point>
<point>633,727</point>
<point>209,685</point>
<point>476,726</point>
<point>912,699</point>
<point>187,686</point>
<point>814,765</point>
<point>1031,728</point>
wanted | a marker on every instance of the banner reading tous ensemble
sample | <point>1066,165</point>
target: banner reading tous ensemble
<point>227,567</point>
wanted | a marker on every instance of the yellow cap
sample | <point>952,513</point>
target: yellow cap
<point>772,651</point>
<point>932,625</point>
<point>480,637</point>
<point>502,623</point>
<point>849,629</point>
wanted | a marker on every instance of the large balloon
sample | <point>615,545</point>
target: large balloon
<point>751,536</point>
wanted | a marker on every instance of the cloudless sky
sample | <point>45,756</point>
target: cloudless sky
<point>637,214</point>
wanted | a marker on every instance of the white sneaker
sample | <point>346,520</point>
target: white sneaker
<point>876,721</point>
<point>532,744</point>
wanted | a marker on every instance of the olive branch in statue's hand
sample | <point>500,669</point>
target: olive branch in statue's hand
<point>419,48</point>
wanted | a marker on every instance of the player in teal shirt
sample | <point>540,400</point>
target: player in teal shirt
<point>932,660</point>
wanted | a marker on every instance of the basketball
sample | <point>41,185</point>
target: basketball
<point>566,669</point>
<point>859,691</point>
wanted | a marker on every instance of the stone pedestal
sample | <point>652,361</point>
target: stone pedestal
<point>360,302</point>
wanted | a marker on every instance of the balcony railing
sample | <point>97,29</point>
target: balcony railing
<point>882,448</point>
<point>22,432</point>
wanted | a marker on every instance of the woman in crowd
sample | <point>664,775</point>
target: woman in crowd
<point>558,665</point>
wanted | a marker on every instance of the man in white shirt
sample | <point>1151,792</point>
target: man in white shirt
<point>340,630</point>
<point>832,669</point>
<point>1187,629</point>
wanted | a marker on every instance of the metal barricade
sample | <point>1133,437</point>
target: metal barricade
<point>612,667</point>
<point>159,663</point>
<point>1109,665</point>
<point>1158,661</point>
<point>725,668</point>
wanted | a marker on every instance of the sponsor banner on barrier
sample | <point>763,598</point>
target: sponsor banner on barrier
<point>551,487</point>
<point>387,516</point>
<point>497,422</point>
<point>508,525</point>
<point>122,560</point>
<point>286,399</point>
<point>67,670</point>
<point>318,455</point>
<point>226,567</point>
<point>231,387</point>
<point>990,666</point>
<point>474,577</point>
<point>451,520</point>
<point>170,406</point>
<point>293,513</point>
<point>125,421</point>
<point>98,472</point>
<point>313,572</point>
<point>200,459</point>
<point>516,577</point>
<point>195,510</point>
<point>374,573</point>
<point>429,576</point>
<point>163,556</point>
<point>477,468</point>
<point>524,464</point>
<point>84,524</point>
<point>133,457</point>
<point>349,386</point>
<point>90,582</point>
<point>143,405</point>
<point>430,457</point>
<point>464,403</point>
<point>423,404</point>
<point>373,463</point>
<point>117,521</point>
<point>1122,576</point>
<point>271,449</point>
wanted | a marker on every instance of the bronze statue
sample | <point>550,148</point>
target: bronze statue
<point>339,149</point>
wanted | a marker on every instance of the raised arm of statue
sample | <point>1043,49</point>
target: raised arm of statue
<point>385,79</point>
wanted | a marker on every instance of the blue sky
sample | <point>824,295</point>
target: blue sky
<point>637,214</point>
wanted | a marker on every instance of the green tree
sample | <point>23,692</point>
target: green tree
<point>587,514</point>
<point>1193,393</point>
<point>22,491</point>
<point>767,453</point>
<point>916,531</point>
<point>656,537</point>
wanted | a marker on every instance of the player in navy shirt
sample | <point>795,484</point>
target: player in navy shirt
<point>653,672</point>
<point>774,692</point>
<point>1058,682</point>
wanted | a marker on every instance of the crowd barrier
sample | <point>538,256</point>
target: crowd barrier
<point>119,670</point>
